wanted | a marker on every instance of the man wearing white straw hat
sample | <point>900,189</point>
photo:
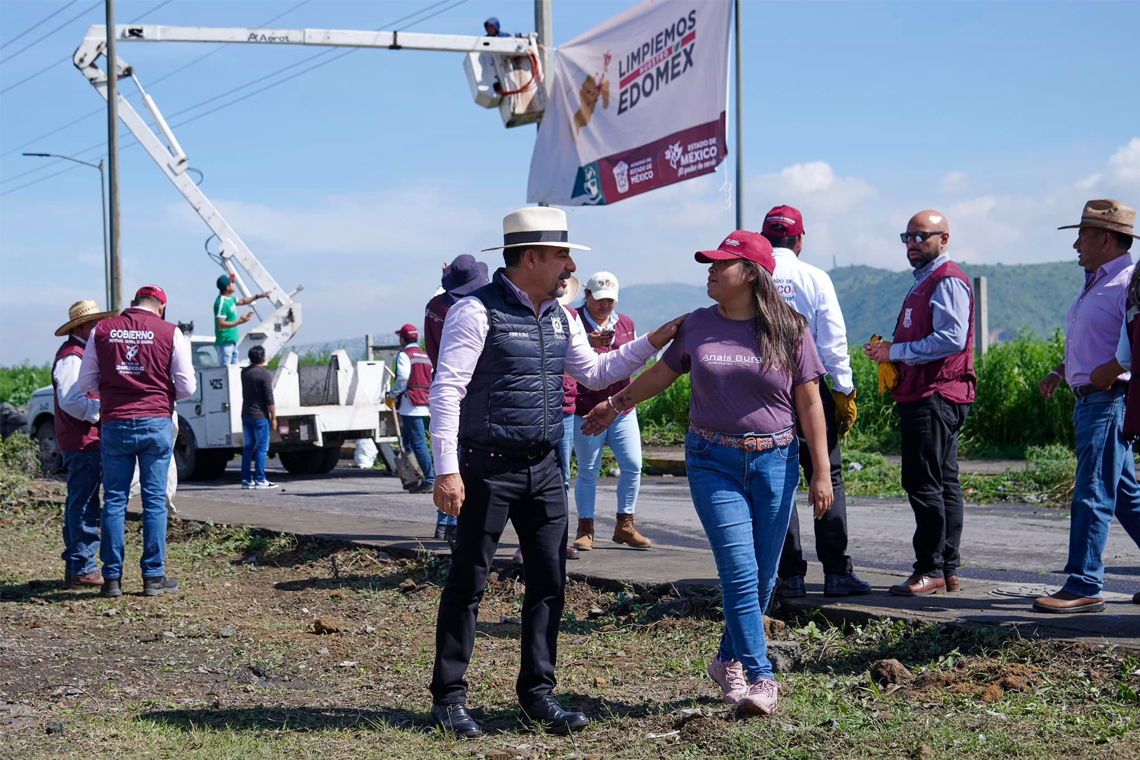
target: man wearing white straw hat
<point>496,422</point>
<point>77,437</point>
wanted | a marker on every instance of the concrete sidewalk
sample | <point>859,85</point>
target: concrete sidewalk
<point>988,603</point>
<point>671,460</point>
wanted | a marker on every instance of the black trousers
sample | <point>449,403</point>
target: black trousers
<point>831,530</point>
<point>529,492</point>
<point>930,476</point>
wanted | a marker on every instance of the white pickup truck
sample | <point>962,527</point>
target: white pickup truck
<point>318,409</point>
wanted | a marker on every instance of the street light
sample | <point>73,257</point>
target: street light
<point>111,296</point>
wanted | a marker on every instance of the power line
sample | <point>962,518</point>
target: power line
<point>249,95</point>
<point>39,23</point>
<point>103,109</point>
<point>49,67</point>
<point>76,17</point>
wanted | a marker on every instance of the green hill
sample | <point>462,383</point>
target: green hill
<point>1021,296</point>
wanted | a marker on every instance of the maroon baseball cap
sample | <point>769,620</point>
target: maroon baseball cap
<point>742,245</point>
<point>784,221</point>
<point>153,291</point>
<point>408,332</point>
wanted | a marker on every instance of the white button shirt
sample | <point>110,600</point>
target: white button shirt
<point>809,291</point>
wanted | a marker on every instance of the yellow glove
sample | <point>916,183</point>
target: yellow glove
<point>845,411</point>
<point>888,373</point>
<point>390,402</point>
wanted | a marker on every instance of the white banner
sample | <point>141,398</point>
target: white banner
<point>637,103</point>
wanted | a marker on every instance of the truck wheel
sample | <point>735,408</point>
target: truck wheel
<point>185,452</point>
<point>302,462</point>
<point>329,460</point>
<point>212,463</point>
<point>51,460</point>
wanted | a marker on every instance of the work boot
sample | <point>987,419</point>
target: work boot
<point>112,587</point>
<point>626,533</point>
<point>160,585</point>
<point>94,578</point>
<point>584,541</point>
<point>952,583</point>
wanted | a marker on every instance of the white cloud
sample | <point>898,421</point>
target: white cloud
<point>1124,166</point>
<point>955,182</point>
<point>814,184</point>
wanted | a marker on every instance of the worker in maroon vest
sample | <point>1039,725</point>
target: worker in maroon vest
<point>607,331</point>
<point>934,354</point>
<point>77,437</point>
<point>410,391</point>
<point>140,365</point>
<point>460,278</point>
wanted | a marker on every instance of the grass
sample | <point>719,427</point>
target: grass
<point>229,668</point>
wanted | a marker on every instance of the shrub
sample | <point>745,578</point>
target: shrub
<point>18,383</point>
<point>19,462</point>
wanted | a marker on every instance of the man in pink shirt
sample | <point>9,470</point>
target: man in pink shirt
<point>496,421</point>
<point>140,365</point>
<point>1106,474</point>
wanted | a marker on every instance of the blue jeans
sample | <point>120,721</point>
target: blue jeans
<point>256,449</point>
<point>229,353</point>
<point>1106,484</point>
<point>81,515</point>
<point>744,501</point>
<point>150,442</point>
<point>624,439</point>
<point>414,435</point>
<point>565,449</point>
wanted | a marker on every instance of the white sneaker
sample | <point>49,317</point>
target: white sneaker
<point>760,699</point>
<point>246,485</point>
<point>730,677</point>
<point>261,485</point>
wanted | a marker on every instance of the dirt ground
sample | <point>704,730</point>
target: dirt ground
<point>280,647</point>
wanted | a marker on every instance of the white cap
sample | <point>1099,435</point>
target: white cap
<point>603,285</point>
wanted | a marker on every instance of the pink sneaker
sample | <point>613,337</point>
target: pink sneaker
<point>760,699</point>
<point>730,677</point>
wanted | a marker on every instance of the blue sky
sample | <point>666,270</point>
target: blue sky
<point>360,178</point>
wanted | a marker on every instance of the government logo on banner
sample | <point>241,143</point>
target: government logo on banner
<point>636,104</point>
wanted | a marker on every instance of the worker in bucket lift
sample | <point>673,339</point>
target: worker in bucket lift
<point>493,29</point>
<point>226,320</point>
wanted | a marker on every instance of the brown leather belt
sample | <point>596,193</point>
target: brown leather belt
<point>1087,390</point>
<point>752,443</point>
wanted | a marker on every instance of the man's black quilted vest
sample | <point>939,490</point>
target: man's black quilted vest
<point>514,400</point>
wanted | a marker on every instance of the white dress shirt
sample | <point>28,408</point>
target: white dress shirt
<point>810,292</point>
<point>403,374</point>
<point>464,333</point>
<point>181,368</point>
<point>73,399</point>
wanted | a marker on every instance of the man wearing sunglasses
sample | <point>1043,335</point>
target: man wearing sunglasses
<point>933,351</point>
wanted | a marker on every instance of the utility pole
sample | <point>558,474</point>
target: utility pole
<point>981,317</point>
<point>739,125</point>
<point>113,157</point>
<point>544,25</point>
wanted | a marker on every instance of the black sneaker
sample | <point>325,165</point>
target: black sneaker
<point>440,532</point>
<point>112,587</point>
<point>156,586</point>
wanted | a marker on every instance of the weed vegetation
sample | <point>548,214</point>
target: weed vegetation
<point>18,383</point>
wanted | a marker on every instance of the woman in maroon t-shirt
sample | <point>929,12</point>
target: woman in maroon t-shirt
<point>754,370</point>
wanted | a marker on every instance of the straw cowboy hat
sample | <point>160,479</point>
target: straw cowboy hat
<point>83,311</point>
<point>1107,215</point>
<point>573,285</point>
<point>536,225</point>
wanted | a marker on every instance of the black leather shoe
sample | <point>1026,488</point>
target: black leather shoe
<point>791,588</point>
<point>156,586</point>
<point>455,719</point>
<point>546,713</point>
<point>844,585</point>
<point>112,587</point>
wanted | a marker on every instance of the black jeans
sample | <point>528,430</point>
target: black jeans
<point>930,476</point>
<point>529,492</point>
<point>831,530</point>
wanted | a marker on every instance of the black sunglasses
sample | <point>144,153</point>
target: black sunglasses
<point>921,237</point>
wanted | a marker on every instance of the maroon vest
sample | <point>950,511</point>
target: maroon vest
<point>569,385</point>
<point>952,378</point>
<point>623,333</point>
<point>72,434</point>
<point>135,351</point>
<point>1132,399</point>
<point>434,314</point>
<point>419,379</point>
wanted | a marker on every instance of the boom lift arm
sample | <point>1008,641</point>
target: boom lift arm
<point>277,329</point>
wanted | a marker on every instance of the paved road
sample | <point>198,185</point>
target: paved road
<point>1011,543</point>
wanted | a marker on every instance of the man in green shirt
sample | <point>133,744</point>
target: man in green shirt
<point>226,320</point>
